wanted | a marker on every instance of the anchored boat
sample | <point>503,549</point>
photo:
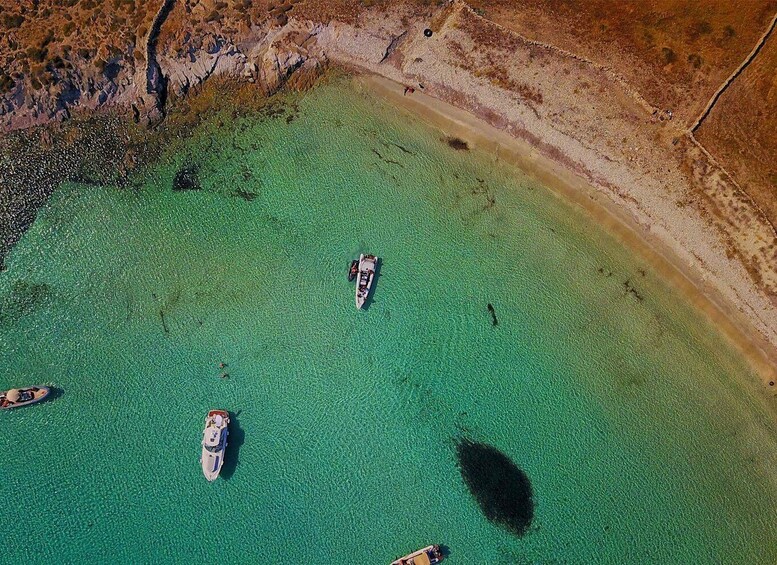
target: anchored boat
<point>367,266</point>
<point>214,443</point>
<point>22,396</point>
<point>427,556</point>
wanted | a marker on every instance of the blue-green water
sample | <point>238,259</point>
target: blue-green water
<point>637,425</point>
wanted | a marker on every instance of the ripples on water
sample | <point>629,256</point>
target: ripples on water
<point>623,407</point>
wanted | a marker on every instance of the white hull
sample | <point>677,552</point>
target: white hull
<point>430,554</point>
<point>214,443</point>
<point>211,464</point>
<point>365,278</point>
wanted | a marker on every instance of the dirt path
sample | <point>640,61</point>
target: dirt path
<point>749,59</point>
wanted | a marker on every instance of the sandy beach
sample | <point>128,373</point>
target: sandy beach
<point>633,166</point>
<point>576,124</point>
<point>454,122</point>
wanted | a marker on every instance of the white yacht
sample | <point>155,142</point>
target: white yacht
<point>214,443</point>
<point>367,266</point>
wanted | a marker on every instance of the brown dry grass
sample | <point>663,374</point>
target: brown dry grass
<point>38,38</point>
<point>741,130</point>
<point>233,18</point>
<point>674,52</point>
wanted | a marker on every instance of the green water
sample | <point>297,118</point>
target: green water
<point>638,427</point>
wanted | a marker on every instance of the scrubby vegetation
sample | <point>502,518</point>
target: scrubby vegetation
<point>37,39</point>
<point>674,52</point>
<point>40,39</point>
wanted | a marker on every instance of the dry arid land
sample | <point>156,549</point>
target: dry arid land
<point>665,109</point>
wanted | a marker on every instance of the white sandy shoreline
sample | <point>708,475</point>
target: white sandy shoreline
<point>561,118</point>
<point>452,121</point>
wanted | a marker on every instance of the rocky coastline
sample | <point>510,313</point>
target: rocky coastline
<point>569,109</point>
<point>268,56</point>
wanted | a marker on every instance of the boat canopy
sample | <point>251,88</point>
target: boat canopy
<point>422,559</point>
<point>13,395</point>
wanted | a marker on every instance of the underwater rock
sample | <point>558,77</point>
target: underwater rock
<point>457,143</point>
<point>501,489</point>
<point>494,321</point>
<point>629,288</point>
<point>186,178</point>
<point>245,195</point>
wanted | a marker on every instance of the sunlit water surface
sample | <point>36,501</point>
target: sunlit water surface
<point>634,423</point>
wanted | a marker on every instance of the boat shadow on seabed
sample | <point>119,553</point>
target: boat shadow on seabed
<point>54,394</point>
<point>234,442</point>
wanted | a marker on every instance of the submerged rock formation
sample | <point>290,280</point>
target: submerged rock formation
<point>186,178</point>
<point>500,487</point>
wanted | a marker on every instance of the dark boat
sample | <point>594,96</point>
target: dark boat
<point>354,270</point>
<point>22,396</point>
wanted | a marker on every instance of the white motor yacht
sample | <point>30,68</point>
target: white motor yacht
<point>214,443</point>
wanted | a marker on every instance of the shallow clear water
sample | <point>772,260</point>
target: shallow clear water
<point>637,426</point>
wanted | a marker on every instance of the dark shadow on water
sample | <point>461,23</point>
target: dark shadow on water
<point>54,394</point>
<point>246,195</point>
<point>234,442</point>
<point>23,298</point>
<point>457,143</point>
<point>446,551</point>
<point>500,487</point>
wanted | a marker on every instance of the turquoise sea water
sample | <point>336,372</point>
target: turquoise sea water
<point>639,428</point>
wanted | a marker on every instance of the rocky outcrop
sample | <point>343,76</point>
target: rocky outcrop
<point>269,58</point>
<point>85,86</point>
<point>152,90</point>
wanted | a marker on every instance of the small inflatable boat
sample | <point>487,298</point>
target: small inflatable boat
<point>22,396</point>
